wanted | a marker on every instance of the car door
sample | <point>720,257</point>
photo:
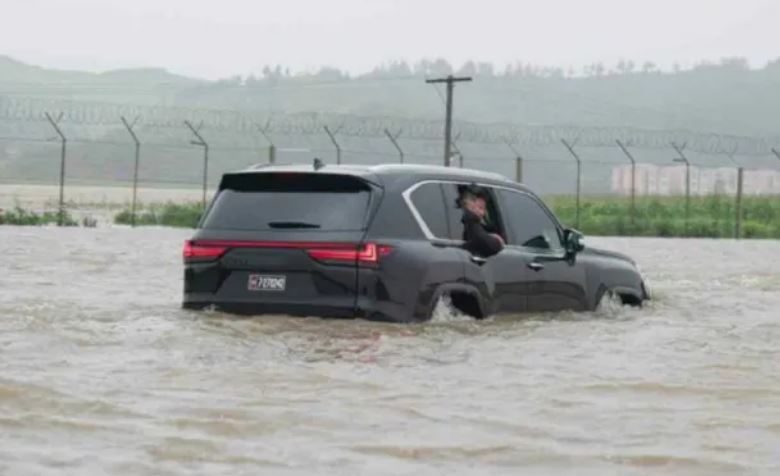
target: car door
<point>556,282</point>
<point>504,276</point>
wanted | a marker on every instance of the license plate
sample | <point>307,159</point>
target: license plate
<point>265,282</point>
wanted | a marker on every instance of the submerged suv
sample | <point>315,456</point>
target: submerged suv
<point>384,243</point>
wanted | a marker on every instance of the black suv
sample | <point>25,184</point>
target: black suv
<point>385,242</point>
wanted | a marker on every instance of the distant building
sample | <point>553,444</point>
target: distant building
<point>670,180</point>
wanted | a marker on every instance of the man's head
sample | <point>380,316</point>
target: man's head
<point>474,199</point>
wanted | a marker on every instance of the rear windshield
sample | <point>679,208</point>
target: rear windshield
<point>289,201</point>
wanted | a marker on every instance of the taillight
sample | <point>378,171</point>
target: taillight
<point>193,249</point>
<point>368,254</point>
<point>337,253</point>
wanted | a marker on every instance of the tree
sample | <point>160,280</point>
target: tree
<point>441,67</point>
<point>330,74</point>
<point>625,67</point>
<point>648,67</point>
<point>468,69</point>
<point>485,69</point>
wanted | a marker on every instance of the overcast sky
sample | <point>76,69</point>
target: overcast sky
<point>213,39</point>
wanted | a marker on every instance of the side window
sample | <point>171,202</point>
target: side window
<point>528,223</point>
<point>429,202</point>
<point>452,193</point>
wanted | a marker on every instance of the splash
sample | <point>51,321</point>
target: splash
<point>445,312</point>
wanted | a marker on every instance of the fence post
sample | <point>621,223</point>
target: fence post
<point>201,142</point>
<point>738,198</point>
<point>738,218</point>
<point>518,162</point>
<point>455,147</point>
<point>64,141</point>
<point>682,158</point>
<point>579,175</point>
<point>394,140</point>
<point>332,136</point>
<point>519,169</point>
<point>130,130</point>
<point>633,182</point>
<point>271,145</point>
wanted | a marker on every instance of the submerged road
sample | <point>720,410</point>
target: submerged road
<point>102,373</point>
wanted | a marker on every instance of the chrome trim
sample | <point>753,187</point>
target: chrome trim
<point>407,194</point>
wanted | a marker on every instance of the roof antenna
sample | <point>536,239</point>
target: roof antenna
<point>318,164</point>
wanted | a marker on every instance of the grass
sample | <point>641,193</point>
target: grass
<point>710,216</point>
<point>179,215</point>
<point>21,217</point>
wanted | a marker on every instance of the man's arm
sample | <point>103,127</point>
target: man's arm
<point>479,241</point>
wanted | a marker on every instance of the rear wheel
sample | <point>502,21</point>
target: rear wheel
<point>454,306</point>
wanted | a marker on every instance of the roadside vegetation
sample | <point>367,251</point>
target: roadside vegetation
<point>21,217</point>
<point>710,217</point>
<point>179,215</point>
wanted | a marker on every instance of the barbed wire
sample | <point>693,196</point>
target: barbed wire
<point>308,124</point>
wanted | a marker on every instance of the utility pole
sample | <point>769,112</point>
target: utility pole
<point>201,142</point>
<point>633,182</point>
<point>518,161</point>
<point>579,175</point>
<point>450,80</point>
<point>64,141</point>
<point>130,130</point>
<point>332,136</point>
<point>394,139</point>
<point>271,145</point>
<point>738,204</point>
<point>683,159</point>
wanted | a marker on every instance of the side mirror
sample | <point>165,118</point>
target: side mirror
<point>572,241</point>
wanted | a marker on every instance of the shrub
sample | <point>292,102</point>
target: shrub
<point>185,215</point>
<point>21,217</point>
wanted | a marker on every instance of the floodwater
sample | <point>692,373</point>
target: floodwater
<point>102,373</point>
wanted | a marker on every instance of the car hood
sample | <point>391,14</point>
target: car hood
<point>609,254</point>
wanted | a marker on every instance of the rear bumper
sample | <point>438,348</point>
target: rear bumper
<point>334,307</point>
<point>367,309</point>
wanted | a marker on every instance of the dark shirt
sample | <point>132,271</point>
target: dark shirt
<point>478,241</point>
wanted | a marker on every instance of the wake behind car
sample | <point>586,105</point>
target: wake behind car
<point>385,243</point>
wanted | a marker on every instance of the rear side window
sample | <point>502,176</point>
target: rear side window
<point>429,202</point>
<point>528,223</point>
<point>285,201</point>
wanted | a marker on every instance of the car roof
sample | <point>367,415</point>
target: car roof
<point>376,173</point>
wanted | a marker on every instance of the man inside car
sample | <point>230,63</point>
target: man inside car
<point>479,241</point>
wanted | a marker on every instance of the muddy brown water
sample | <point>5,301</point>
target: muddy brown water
<point>101,372</point>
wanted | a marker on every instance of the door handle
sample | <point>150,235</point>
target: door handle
<point>536,266</point>
<point>478,260</point>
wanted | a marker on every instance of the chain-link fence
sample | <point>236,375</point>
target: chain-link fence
<point>602,180</point>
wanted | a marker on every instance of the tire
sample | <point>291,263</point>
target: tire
<point>610,301</point>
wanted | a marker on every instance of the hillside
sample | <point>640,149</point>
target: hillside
<point>725,98</point>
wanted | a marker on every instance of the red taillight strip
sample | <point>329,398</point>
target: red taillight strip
<point>196,250</point>
<point>367,255</point>
<point>343,252</point>
<point>274,244</point>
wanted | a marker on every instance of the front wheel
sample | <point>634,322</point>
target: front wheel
<point>610,301</point>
